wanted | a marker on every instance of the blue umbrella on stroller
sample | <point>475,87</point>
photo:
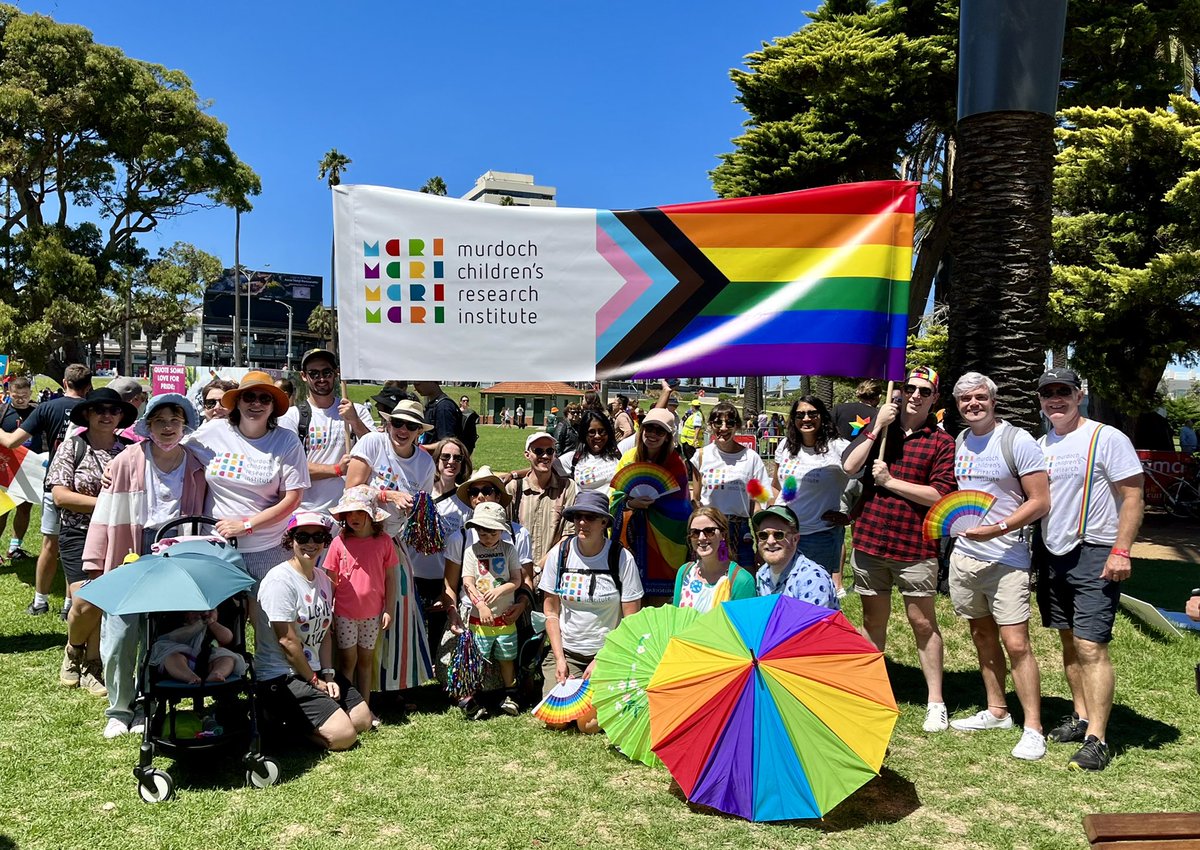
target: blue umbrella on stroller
<point>192,575</point>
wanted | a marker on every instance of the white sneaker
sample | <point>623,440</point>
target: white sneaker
<point>983,720</point>
<point>841,593</point>
<point>1031,747</point>
<point>138,725</point>
<point>116,727</point>
<point>936,717</point>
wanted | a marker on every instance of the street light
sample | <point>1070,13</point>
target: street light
<point>249,280</point>
<point>291,314</point>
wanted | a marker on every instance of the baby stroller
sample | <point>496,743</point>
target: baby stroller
<point>189,573</point>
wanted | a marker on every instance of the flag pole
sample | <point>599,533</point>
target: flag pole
<point>891,387</point>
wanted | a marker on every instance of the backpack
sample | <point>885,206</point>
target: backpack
<point>614,565</point>
<point>304,411</point>
<point>1008,437</point>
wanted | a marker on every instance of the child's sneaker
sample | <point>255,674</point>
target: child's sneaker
<point>510,707</point>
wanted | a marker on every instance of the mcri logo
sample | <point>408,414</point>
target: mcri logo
<point>418,262</point>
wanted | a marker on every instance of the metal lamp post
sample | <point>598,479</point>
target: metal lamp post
<point>249,279</point>
<point>291,315</point>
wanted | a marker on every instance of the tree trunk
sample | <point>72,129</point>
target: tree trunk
<point>805,385</point>
<point>1001,243</point>
<point>824,390</point>
<point>750,396</point>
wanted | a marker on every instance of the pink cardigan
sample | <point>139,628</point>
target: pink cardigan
<point>120,513</point>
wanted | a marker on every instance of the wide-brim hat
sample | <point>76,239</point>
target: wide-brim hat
<point>489,516</point>
<point>480,476</point>
<point>142,428</point>
<point>361,497</point>
<point>409,411</point>
<point>260,381</point>
<point>103,396</point>
<point>588,502</point>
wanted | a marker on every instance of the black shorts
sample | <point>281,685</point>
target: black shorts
<point>1071,594</point>
<point>291,700</point>
<point>70,554</point>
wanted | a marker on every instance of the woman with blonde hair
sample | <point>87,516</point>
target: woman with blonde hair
<point>713,576</point>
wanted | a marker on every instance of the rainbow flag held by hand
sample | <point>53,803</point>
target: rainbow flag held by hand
<point>22,476</point>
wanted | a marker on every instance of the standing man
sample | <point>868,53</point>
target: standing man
<point>890,549</point>
<point>691,431</point>
<point>552,420</point>
<point>520,416</point>
<point>440,411</point>
<point>13,414</point>
<point>1082,555</point>
<point>538,496</point>
<point>850,417</point>
<point>566,437</point>
<point>1187,437</point>
<point>320,423</point>
<point>989,566</point>
<point>50,421</point>
<point>470,423</point>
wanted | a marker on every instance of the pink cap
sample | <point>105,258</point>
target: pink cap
<point>303,519</point>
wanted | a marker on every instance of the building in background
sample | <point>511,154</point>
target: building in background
<point>492,187</point>
<point>537,397</point>
<point>270,295</point>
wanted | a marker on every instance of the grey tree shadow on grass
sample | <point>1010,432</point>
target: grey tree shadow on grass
<point>30,642</point>
<point>7,843</point>
<point>225,771</point>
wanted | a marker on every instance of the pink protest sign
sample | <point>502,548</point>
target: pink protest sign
<point>168,379</point>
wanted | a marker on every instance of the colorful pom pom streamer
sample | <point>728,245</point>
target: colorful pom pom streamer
<point>756,491</point>
<point>423,532</point>
<point>790,487</point>
<point>464,673</point>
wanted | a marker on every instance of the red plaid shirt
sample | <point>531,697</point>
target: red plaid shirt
<point>889,526</point>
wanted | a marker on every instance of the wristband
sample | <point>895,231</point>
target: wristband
<point>1120,553</point>
<point>871,435</point>
<point>313,681</point>
<point>327,674</point>
<point>337,470</point>
<point>249,526</point>
<point>1002,525</point>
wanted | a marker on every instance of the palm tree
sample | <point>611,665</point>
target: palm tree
<point>330,170</point>
<point>435,185</point>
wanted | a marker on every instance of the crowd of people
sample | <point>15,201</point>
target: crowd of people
<point>323,503</point>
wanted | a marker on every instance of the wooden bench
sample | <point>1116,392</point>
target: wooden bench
<point>1148,831</point>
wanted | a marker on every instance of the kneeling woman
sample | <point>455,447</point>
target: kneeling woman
<point>295,648</point>
<point>589,587</point>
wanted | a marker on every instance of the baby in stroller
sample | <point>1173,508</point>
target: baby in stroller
<point>178,652</point>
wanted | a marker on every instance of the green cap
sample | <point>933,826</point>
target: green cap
<point>783,512</point>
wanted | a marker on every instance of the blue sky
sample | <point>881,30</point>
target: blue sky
<point>617,104</point>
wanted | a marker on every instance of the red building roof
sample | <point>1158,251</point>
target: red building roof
<point>523,388</point>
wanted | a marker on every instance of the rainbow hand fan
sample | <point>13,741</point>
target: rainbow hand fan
<point>644,481</point>
<point>568,701</point>
<point>960,511</point>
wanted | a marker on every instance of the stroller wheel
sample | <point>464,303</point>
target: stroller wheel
<point>265,774</point>
<point>156,786</point>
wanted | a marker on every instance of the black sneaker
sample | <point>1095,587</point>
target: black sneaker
<point>1071,728</point>
<point>36,609</point>
<point>1093,755</point>
<point>18,554</point>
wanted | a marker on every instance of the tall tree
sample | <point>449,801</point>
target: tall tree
<point>330,170</point>
<point>90,135</point>
<point>434,186</point>
<point>320,322</point>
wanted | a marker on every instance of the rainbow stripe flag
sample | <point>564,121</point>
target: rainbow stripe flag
<point>812,282</point>
<point>22,474</point>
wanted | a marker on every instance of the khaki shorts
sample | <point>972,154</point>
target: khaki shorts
<point>576,665</point>
<point>978,588</point>
<point>874,575</point>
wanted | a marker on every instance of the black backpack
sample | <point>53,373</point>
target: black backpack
<point>304,409</point>
<point>614,566</point>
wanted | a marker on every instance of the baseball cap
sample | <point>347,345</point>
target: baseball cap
<point>323,353</point>
<point>925,373</point>
<point>537,435</point>
<point>783,512</point>
<point>1060,375</point>
<point>302,519</point>
<point>127,388</point>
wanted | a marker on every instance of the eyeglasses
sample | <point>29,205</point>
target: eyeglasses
<point>807,414</point>
<point>318,374</point>
<point>306,537</point>
<point>257,398</point>
<point>485,490</point>
<point>106,410</point>
<point>925,392</point>
<point>405,424</point>
<point>543,452</point>
<point>210,403</point>
<point>450,459</point>
<point>1056,391</point>
<point>697,533</point>
<point>764,536</point>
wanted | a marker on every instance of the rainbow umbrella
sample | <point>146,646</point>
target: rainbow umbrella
<point>624,665</point>
<point>771,709</point>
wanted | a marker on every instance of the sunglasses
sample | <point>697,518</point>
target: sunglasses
<point>654,431</point>
<point>405,424</point>
<point>1056,391</point>
<point>697,533</point>
<point>257,398</point>
<point>764,536</point>
<point>106,410</point>
<point>590,518</point>
<point>485,490</point>
<point>801,415</point>
<point>210,403</point>
<point>451,458</point>
<point>543,452</point>
<point>925,392</point>
<point>306,537</point>
<point>317,374</point>
<point>722,422</point>
<point>597,432</point>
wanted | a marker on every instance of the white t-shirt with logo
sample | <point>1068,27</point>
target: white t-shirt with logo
<point>327,445</point>
<point>590,610</point>
<point>592,472</point>
<point>285,596</point>
<point>389,471</point>
<point>820,481</point>
<point>724,476</point>
<point>248,476</point>
<point>453,514</point>
<point>980,465</point>
<point>1075,507</point>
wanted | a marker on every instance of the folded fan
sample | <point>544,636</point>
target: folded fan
<point>956,513</point>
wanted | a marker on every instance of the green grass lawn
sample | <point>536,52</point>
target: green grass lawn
<point>437,781</point>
